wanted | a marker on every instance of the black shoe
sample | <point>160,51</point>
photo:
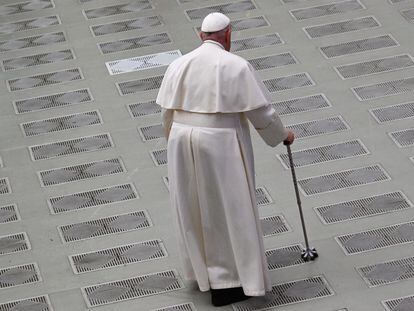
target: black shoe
<point>226,296</point>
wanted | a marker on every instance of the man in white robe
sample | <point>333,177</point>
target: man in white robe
<point>207,97</point>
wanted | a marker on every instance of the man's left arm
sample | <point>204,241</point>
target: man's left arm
<point>167,119</point>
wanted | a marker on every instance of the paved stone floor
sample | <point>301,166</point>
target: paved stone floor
<point>84,208</point>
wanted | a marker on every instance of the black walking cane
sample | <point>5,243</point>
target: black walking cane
<point>307,253</point>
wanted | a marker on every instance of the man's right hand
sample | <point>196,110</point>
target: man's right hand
<point>290,138</point>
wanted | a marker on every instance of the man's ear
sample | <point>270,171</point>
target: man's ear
<point>201,34</point>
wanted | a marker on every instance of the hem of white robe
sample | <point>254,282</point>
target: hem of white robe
<point>247,292</point>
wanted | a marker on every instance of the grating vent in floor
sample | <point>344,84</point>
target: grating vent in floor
<point>377,238</point>
<point>288,293</point>
<point>274,225</point>
<point>81,172</point>
<point>318,127</point>
<point>369,206</point>
<point>289,82</point>
<point>403,138</point>
<point>118,256</point>
<point>388,88</point>
<point>140,85</point>
<point>4,186</point>
<point>28,42</point>
<point>358,46</point>
<point>301,104</point>
<point>228,8</point>
<point>325,153</point>
<point>327,9</point>
<point>73,146</point>
<point>159,157</point>
<point>255,42</point>
<point>151,132</point>
<point>53,101</point>
<point>399,304</point>
<point>355,24</point>
<point>144,109</point>
<point>105,226</point>
<point>284,257</point>
<point>19,275</point>
<point>61,123</point>
<point>135,6</point>
<point>181,307</point>
<point>262,196</point>
<point>142,62</point>
<point>375,66</point>
<point>45,79</point>
<point>141,286</point>
<point>14,243</point>
<point>92,198</point>
<point>9,213</point>
<point>41,303</point>
<point>28,6</point>
<point>344,179</point>
<point>36,60</point>
<point>273,61</point>
<point>134,43</point>
<point>133,24</point>
<point>34,23</point>
<point>408,15</point>
<point>394,112</point>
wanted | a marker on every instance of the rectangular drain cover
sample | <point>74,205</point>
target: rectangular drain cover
<point>319,127</point>
<point>368,206</point>
<point>375,66</point>
<point>377,238</point>
<point>288,293</point>
<point>273,225</point>
<point>140,286</point>
<point>28,24</point>
<point>61,123</point>
<point>159,157</point>
<point>262,196</point>
<point>181,307</point>
<point>302,104</point>
<point>388,88</point>
<point>327,9</point>
<point>134,6</point>
<point>358,46</point>
<point>289,82</point>
<point>14,243</point>
<point>151,132</point>
<point>399,304</point>
<point>144,109</point>
<point>4,186</point>
<point>41,303</point>
<point>105,226</point>
<point>142,62</point>
<point>394,112</point>
<point>404,138</point>
<point>92,198</point>
<point>23,7</point>
<point>284,257</point>
<point>325,153</point>
<point>134,43</point>
<point>28,42</point>
<point>81,172</point>
<point>133,24</point>
<point>273,61</point>
<point>350,25</point>
<point>255,42</point>
<point>69,147</point>
<point>19,275</point>
<point>234,7</point>
<point>118,256</point>
<point>140,85</point>
<point>9,213</point>
<point>408,15</point>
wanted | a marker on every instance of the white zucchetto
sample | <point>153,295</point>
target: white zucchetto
<point>215,22</point>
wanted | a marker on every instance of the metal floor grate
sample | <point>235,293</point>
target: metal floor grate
<point>284,257</point>
<point>4,186</point>
<point>118,256</point>
<point>53,101</point>
<point>399,304</point>
<point>142,62</point>
<point>288,293</point>
<point>343,179</point>
<point>394,112</point>
<point>140,85</point>
<point>141,286</point>
<point>181,307</point>
<point>375,66</point>
<point>92,198</point>
<point>289,82</point>
<point>40,303</point>
<point>28,6</point>
<point>28,24</point>
<point>159,157</point>
<point>388,88</point>
<point>81,172</point>
<point>273,61</point>
<point>69,147</point>
<point>325,153</point>
<point>327,9</point>
<point>262,196</point>
<point>45,79</point>
<point>36,60</point>
<point>133,24</point>
<point>151,132</point>
<point>14,243</point>
<point>61,123</point>
<point>19,275</point>
<point>273,225</point>
<point>33,41</point>
<point>144,109</point>
<point>408,15</point>
<point>255,42</point>
<point>134,43</point>
<point>134,6</point>
<point>358,46</point>
<point>105,226</point>
<point>9,213</point>
<point>318,127</point>
<point>302,104</point>
<point>234,7</point>
<point>403,138</point>
<point>368,206</point>
<point>355,24</point>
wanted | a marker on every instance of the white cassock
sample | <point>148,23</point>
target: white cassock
<point>207,97</point>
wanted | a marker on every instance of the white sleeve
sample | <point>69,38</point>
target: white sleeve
<point>167,119</point>
<point>268,124</point>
